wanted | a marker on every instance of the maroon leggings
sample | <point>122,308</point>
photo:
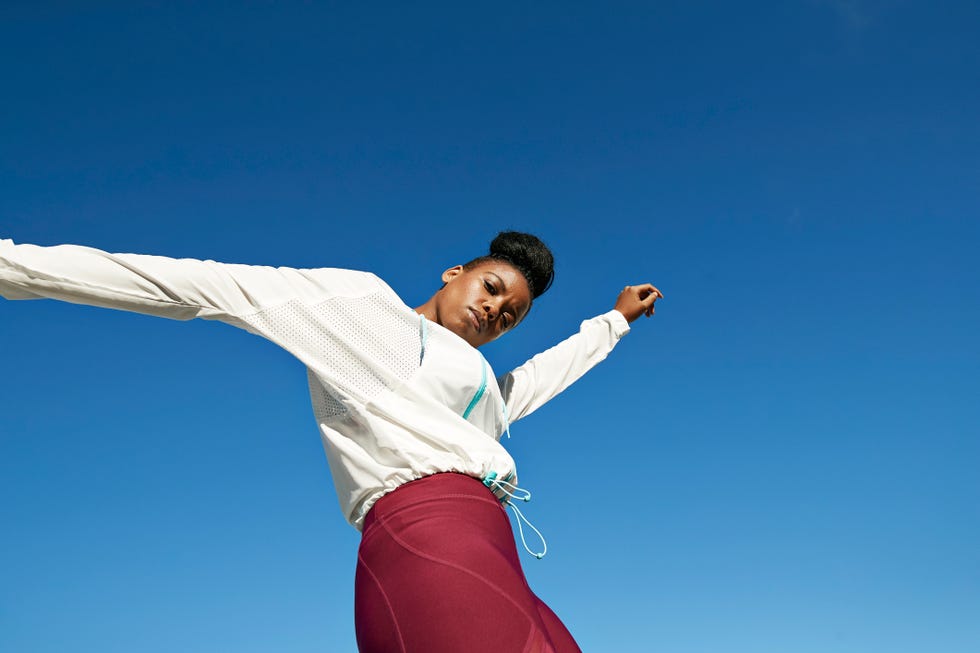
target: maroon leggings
<point>438,572</point>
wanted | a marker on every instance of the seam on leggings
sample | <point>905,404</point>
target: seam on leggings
<point>531,619</point>
<point>384,595</point>
<point>538,639</point>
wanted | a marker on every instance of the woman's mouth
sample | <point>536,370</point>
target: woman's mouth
<point>475,320</point>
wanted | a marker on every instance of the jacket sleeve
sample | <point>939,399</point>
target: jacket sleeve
<point>180,289</point>
<point>528,387</point>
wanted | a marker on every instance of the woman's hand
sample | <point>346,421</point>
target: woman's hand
<point>635,301</point>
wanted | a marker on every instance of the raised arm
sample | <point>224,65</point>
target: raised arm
<point>528,387</point>
<point>180,289</point>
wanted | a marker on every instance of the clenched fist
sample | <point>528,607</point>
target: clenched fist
<point>635,301</point>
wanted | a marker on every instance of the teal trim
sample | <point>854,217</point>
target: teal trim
<point>423,336</point>
<point>479,392</point>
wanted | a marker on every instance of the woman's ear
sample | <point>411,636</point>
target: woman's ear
<point>452,273</point>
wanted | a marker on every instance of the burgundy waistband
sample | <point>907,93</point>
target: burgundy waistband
<point>435,486</point>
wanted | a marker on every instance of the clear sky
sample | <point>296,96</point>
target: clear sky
<point>783,460</point>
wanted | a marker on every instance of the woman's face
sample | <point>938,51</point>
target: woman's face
<point>482,303</point>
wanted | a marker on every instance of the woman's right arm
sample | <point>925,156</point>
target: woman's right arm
<point>180,289</point>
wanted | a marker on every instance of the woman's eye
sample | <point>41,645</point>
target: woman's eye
<point>489,287</point>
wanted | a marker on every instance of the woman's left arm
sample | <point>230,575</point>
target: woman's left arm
<point>528,387</point>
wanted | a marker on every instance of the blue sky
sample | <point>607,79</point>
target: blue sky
<point>783,460</point>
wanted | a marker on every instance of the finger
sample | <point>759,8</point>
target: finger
<point>648,289</point>
<point>648,301</point>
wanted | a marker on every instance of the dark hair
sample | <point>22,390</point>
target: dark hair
<point>526,253</point>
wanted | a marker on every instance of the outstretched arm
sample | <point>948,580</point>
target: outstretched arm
<point>180,289</point>
<point>528,387</point>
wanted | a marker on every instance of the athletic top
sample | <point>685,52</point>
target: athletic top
<point>396,397</point>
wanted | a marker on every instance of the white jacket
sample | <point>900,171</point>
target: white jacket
<point>388,411</point>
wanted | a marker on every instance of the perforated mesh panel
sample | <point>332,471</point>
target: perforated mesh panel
<point>326,405</point>
<point>358,346</point>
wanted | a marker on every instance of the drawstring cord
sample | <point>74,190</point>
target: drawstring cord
<point>511,491</point>
<point>520,517</point>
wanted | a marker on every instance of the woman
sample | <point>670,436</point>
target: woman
<point>409,413</point>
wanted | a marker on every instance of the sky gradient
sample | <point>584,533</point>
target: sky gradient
<point>783,460</point>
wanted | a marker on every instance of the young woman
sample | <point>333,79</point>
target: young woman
<point>409,413</point>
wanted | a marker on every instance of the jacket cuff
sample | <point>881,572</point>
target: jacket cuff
<point>620,326</point>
